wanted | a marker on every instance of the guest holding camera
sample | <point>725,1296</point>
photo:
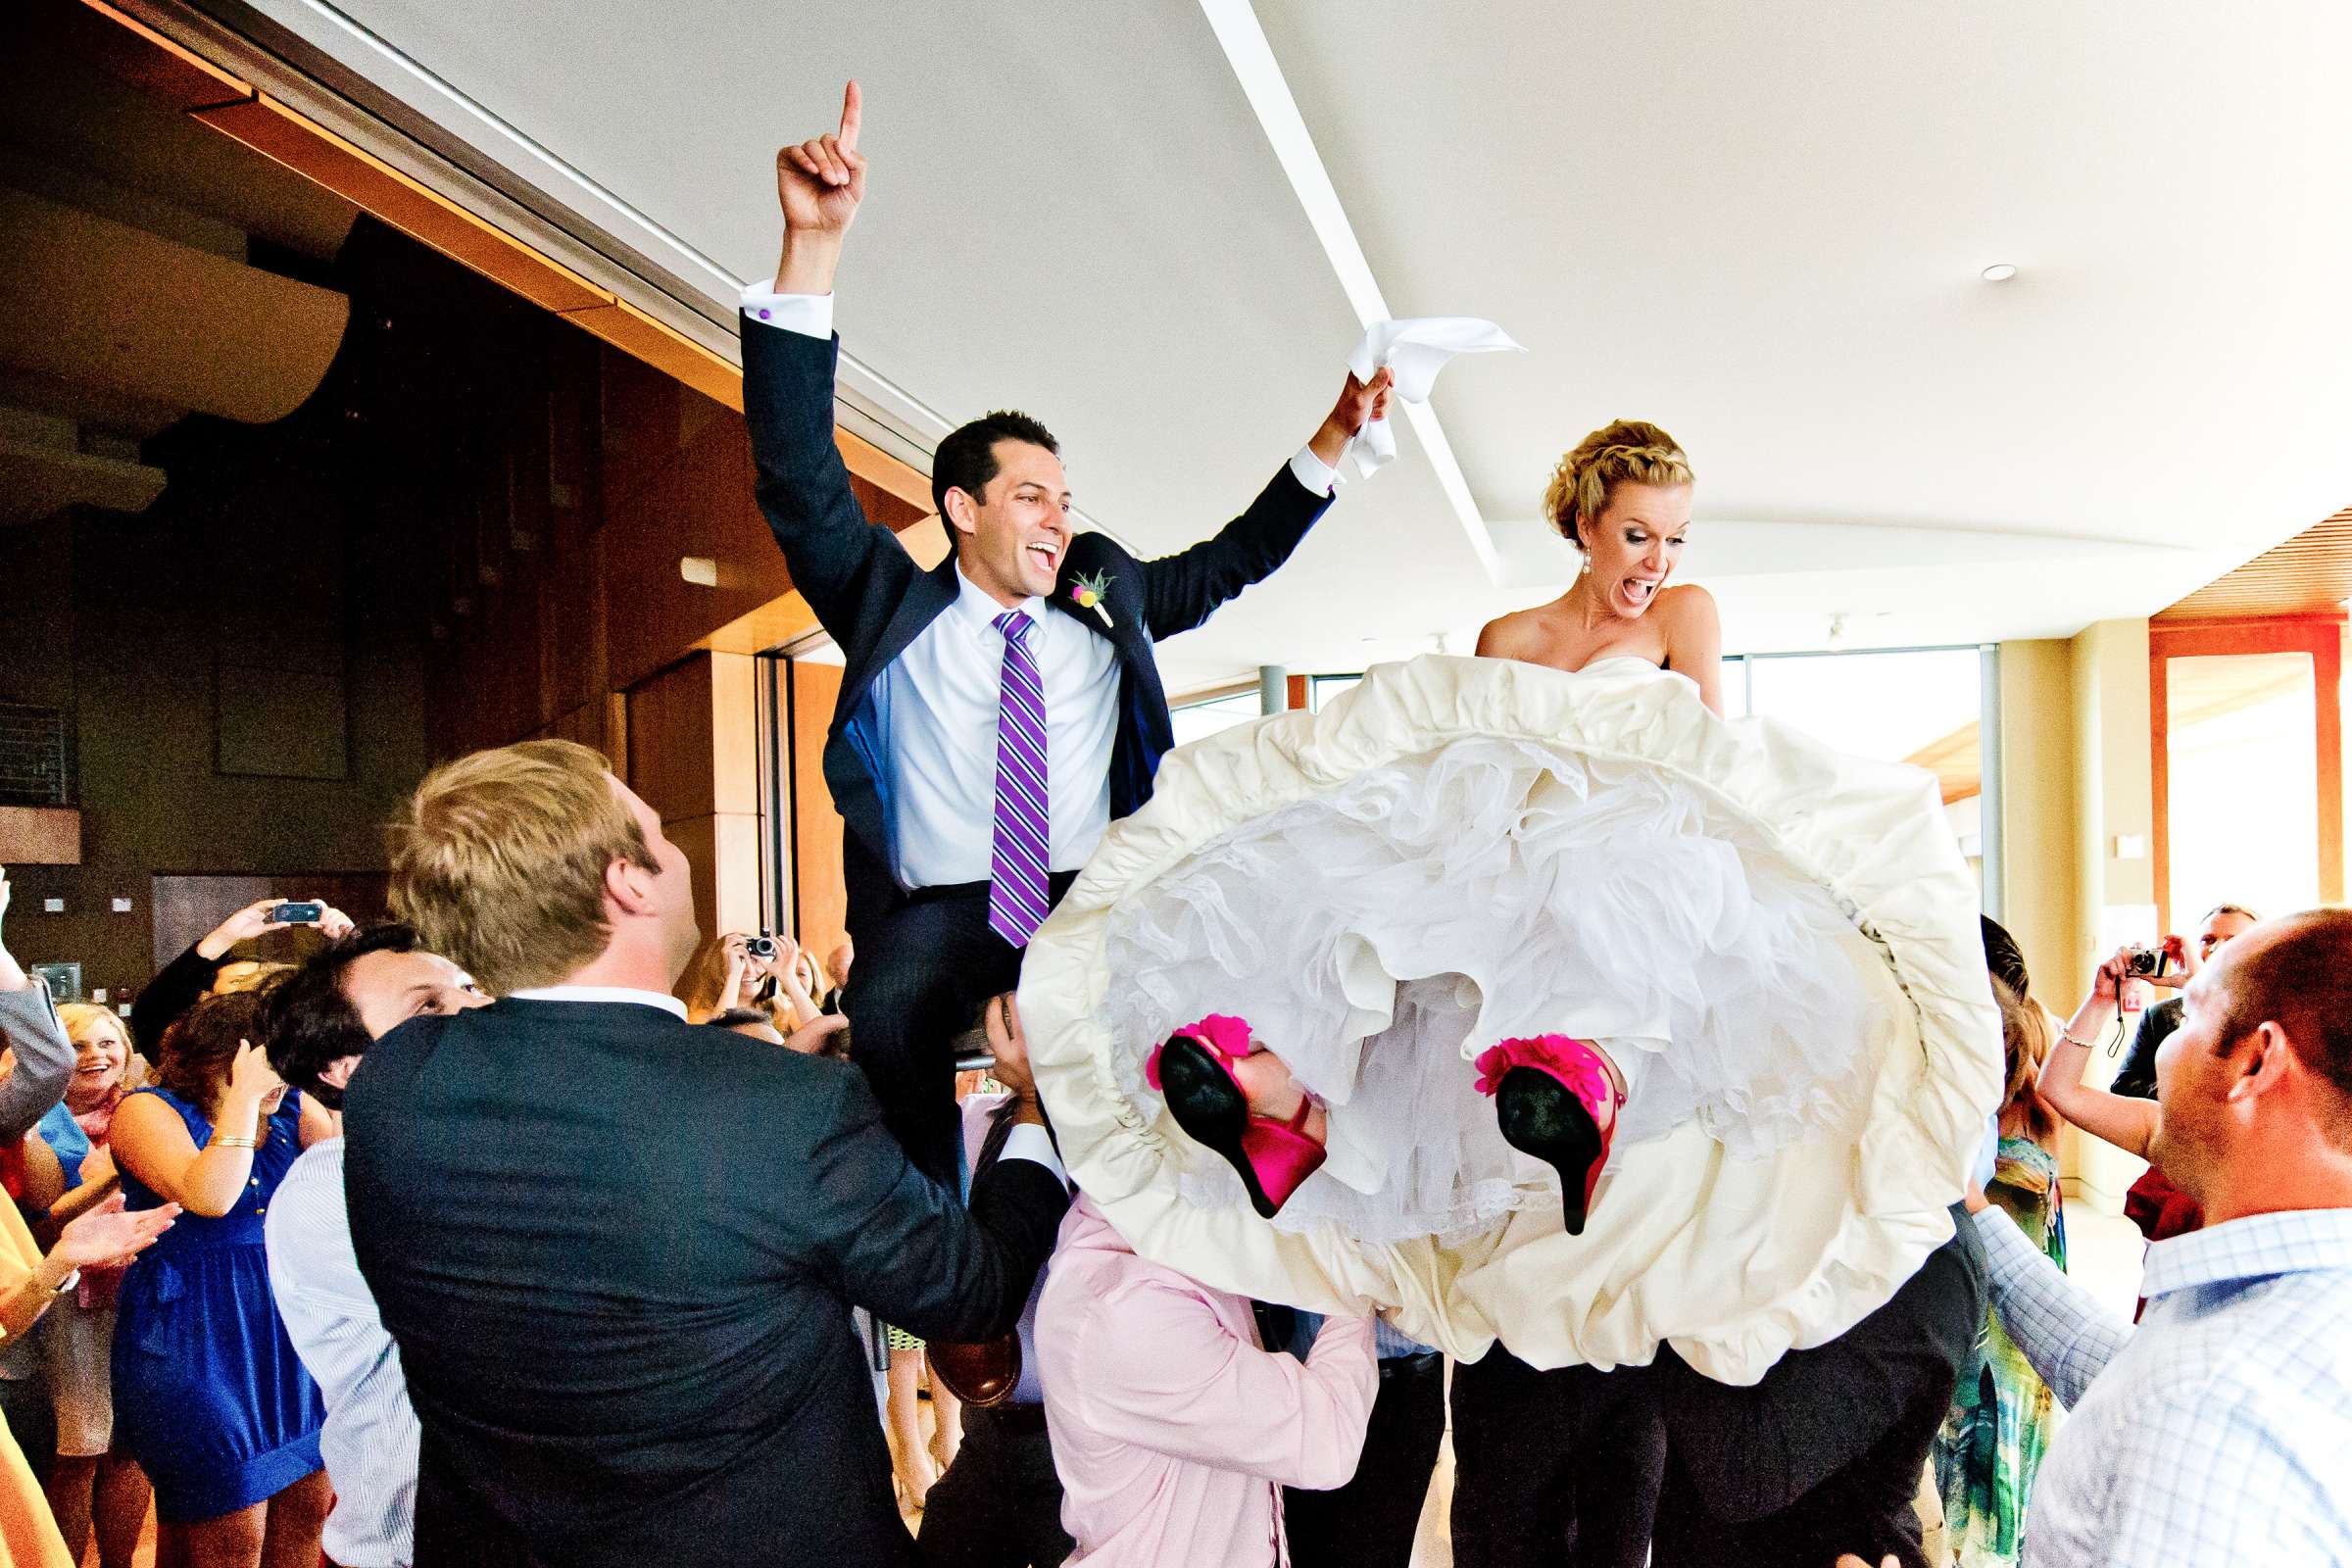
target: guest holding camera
<point>2183,959</point>
<point>2128,1122</point>
<point>196,974</point>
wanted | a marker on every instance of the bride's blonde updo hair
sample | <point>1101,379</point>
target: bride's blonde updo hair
<point>1627,451</point>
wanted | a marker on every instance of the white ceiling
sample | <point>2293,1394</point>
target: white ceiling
<point>1759,226</point>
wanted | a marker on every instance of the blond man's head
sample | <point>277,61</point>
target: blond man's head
<point>528,863</point>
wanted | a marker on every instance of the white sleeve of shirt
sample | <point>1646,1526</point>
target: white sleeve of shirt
<point>309,1240</point>
<point>1030,1141</point>
<point>1313,472</point>
<point>809,315</point>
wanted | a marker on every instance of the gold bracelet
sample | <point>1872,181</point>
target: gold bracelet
<point>221,1142</point>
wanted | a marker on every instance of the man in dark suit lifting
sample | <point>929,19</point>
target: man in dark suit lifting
<point>998,711</point>
<point>619,1250</point>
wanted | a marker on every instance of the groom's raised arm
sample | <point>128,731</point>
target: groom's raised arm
<point>1182,589</point>
<point>833,550</point>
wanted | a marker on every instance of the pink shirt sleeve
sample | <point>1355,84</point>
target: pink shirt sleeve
<point>1165,1374</point>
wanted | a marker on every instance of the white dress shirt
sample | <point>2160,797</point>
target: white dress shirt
<point>369,1440</point>
<point>937,704</point>
<point>2215,1434</point>
<point>627,993</point>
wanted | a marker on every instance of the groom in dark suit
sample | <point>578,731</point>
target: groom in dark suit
<point>998,711</point>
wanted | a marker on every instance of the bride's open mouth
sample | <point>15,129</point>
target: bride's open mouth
<point>1637,592</point>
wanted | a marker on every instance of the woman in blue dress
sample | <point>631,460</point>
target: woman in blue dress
<point>209,1395</point>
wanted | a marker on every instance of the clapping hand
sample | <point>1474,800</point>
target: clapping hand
<point>108,1235</point>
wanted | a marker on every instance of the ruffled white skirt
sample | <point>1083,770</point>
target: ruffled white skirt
<point>1776,946</point>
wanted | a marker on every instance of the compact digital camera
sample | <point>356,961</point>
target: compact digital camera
<point>760,947</point>
<point>2146,963</point>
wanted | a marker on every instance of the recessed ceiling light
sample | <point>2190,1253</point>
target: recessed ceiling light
<point>1999,272</point>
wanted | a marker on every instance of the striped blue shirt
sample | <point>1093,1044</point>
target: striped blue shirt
<point>369,1442</point>
<point>2220,1431</point>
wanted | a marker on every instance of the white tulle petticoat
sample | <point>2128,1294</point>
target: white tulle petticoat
<point>1776,945</point>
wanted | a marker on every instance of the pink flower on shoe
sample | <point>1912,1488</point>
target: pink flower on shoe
<point>1222,1033</point>
<point>1574,1062</point>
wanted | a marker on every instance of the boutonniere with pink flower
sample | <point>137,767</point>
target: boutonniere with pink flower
<point>1090,592</point>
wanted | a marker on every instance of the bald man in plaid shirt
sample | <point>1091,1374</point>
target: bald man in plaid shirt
<point>2220,1431</point>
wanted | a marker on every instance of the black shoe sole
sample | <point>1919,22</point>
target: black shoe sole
<point>1539,1116</point>
<point>1205,1103</point>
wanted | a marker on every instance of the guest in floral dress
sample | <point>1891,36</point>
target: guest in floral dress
<point>2001,1420</point>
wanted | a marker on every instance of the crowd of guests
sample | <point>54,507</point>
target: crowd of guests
<point>610,1270</point>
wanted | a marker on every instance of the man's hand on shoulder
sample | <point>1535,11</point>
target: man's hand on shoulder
<point>820,184</point>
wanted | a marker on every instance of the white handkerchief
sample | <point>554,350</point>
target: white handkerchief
<point>1416,350</point>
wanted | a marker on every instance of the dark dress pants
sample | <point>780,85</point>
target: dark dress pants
<point>1554,1468</point>
<point>1000,1503</point>
<point>1370,1522</point>
<point>920,982</point>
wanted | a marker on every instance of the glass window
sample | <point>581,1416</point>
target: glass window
<point>1325,687</point>
<point>2242,785</point>
<point>1196,720</point>
<point>1923,706</point>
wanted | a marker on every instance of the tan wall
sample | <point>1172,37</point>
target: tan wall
<point>2075,778</point>
<point>2039,848</point>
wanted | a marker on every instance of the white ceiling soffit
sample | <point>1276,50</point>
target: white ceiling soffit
<point>1260,76</point>
<point>1764,227</point>
<point>1072,212</point>
<point>1761,227</point>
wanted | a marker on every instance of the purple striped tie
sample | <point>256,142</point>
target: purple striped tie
<point>1016,892</point>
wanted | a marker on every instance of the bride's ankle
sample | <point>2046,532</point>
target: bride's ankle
<point>1268,1085</point>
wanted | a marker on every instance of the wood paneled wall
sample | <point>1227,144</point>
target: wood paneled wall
<point>605,447</point>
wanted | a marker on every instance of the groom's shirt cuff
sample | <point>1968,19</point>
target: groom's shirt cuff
<point>1313,472</point>
<point>809,315</point>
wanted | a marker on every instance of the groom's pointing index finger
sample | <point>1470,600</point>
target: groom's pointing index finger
<point>852,104</point>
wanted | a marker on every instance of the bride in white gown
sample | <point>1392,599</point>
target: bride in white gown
<point>1764,953</point>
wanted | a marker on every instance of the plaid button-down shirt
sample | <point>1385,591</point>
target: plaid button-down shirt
<point>2220,1432</point>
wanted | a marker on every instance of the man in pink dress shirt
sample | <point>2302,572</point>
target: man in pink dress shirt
<point>1172,1431</point>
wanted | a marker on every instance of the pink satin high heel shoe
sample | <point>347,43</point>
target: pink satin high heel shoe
<point>1191,1069</point>
<point>1550,1095</point>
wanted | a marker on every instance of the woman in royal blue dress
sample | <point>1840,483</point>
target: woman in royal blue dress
<point>209,1395</point>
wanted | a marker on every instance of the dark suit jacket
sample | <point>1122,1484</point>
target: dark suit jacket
<point>875,600</point>
<point>1825,1455</point>
<point>2156,1026</point>
<point>618,1254</point>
